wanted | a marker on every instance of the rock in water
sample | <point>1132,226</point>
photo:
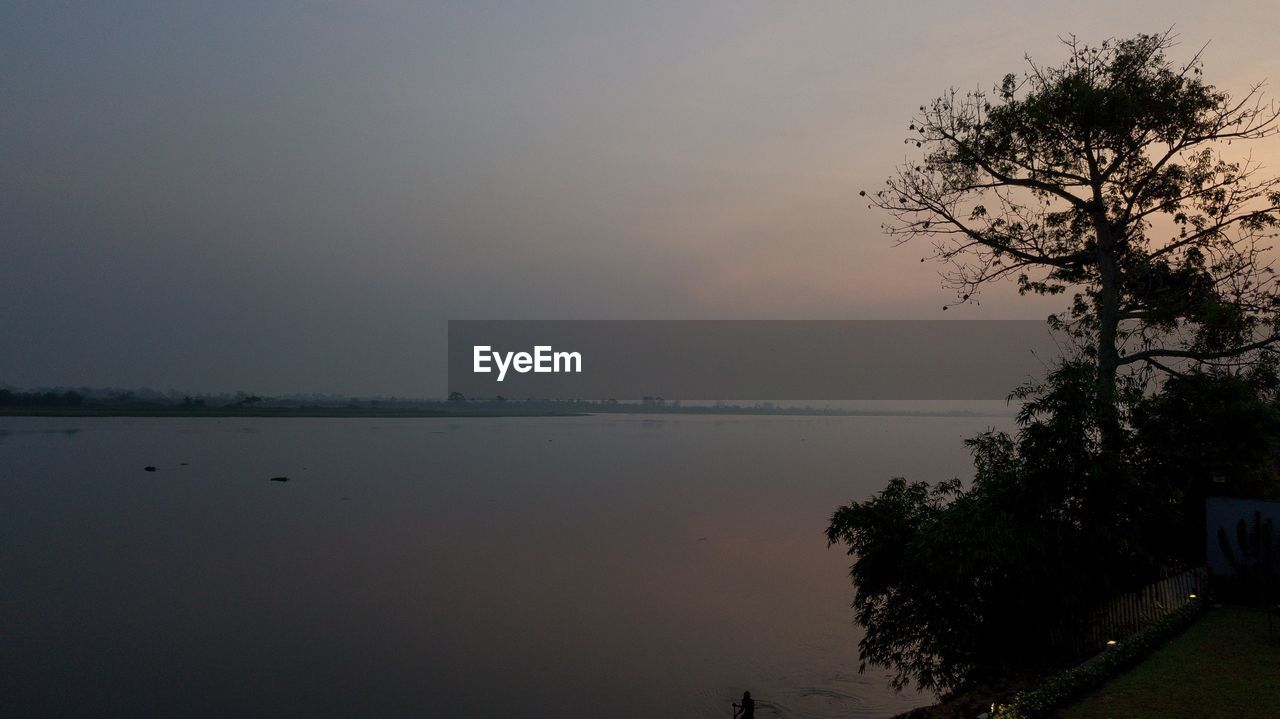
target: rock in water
<point>149,468</point>
<point>279,479</point>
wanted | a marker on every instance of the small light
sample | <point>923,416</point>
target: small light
<point>1111,642</point>
<point>1191,596</point>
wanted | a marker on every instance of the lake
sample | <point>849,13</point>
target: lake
<point>623,566</point>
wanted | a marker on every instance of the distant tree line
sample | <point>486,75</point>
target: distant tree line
<point>143,400</point>
<point>40,399</point>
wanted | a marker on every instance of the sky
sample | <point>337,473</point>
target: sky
<point>284,197</point>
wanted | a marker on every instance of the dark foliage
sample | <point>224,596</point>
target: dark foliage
<point>1104,177</point>
<point>1071,684</point>
<point>958,583</point>
<point>40,399</point>
<point>1110,177</point>
<point>1205,434</point>
<point>952,582</point>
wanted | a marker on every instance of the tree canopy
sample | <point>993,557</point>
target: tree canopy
<point>1116,177</point>
<point>1110,176</point>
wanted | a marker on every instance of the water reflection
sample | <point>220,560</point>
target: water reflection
<point>67,432</point>
<point>522,567</point>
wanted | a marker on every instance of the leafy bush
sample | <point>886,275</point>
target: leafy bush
<point>1069,685</point>
<point>955,584</point>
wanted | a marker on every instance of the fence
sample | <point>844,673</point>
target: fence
<point>1124,615</point>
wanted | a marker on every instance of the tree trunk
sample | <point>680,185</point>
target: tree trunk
<point>1108,360</point>
<point>1108,356</point>
<point>1108,306</point>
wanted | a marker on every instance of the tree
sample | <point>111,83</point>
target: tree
<point>1208,433</point>
<point>956,584</point>
<point>1106,176</point>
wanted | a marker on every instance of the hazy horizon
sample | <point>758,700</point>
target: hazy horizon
<point>295,196</point>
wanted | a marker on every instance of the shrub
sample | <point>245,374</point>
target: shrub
<point>1074,683</point>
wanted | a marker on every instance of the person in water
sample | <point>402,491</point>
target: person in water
<point>747,709</point>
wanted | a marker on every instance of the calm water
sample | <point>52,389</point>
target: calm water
<point>515,567</point>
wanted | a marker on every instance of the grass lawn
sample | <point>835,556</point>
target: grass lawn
<point>1223,666</point>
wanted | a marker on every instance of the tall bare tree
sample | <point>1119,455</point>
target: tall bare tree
<point>1115,176</point>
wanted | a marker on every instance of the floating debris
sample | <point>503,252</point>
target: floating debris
<point>279,479</point>
<point>149,468</point>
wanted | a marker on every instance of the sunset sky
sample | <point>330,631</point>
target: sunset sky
<point>295,196</point>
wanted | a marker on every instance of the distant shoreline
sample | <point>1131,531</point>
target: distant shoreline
<point>334,412</point>
<point>452,413</point>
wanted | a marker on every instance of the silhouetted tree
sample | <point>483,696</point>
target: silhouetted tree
<point>959,583</point>
<point>1102,177</point>
<point>1204,434</point>
<point>1105,176</point>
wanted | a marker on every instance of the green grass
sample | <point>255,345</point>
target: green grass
<point>1223,666</point>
